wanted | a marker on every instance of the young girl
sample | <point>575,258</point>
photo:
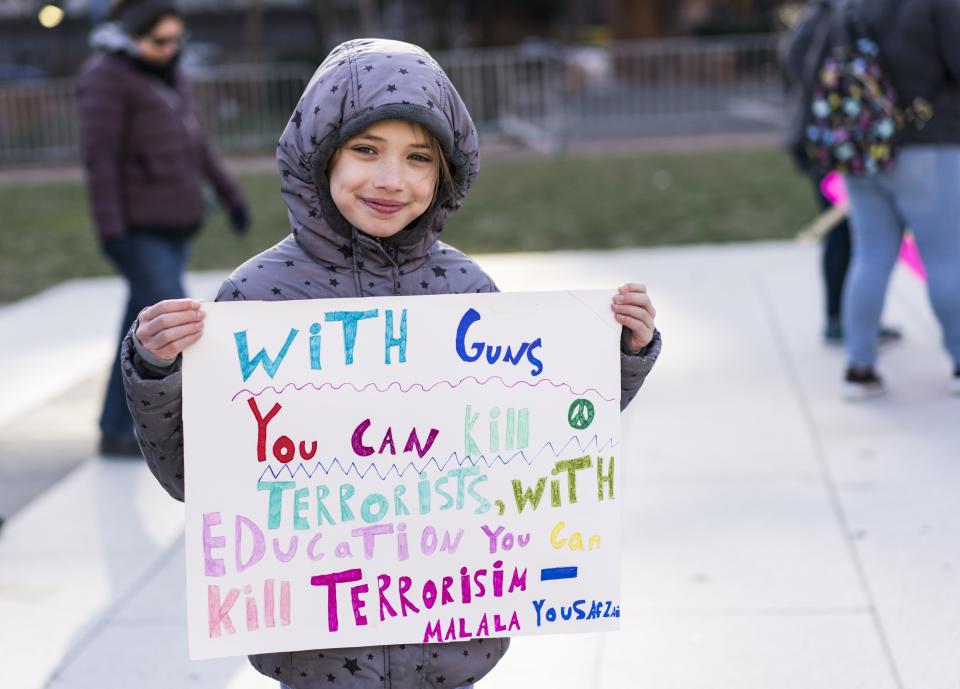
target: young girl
<point>379,151</point>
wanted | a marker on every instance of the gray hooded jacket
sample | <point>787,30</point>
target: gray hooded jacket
<point>360,82</point>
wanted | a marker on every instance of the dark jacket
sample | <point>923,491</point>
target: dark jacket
<point>360,83</point>
<point>920,44</point>
<point>145,154</point>
<point>918,47</point>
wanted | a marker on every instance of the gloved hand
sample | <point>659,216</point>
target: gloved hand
<point>240,219</point>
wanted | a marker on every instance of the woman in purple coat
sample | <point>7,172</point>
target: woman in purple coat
<point>146,159</point>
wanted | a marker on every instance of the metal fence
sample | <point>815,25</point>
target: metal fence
<point>541,94</point>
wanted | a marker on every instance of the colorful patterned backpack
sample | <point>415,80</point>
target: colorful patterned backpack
<point>854,119</point>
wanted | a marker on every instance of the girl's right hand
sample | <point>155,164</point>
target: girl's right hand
<point>169,327</point>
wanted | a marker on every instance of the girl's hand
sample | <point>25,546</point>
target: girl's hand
<point>169,327</point>
<point>634,310</point>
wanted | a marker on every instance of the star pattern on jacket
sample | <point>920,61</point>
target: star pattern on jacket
<point>351,665</point>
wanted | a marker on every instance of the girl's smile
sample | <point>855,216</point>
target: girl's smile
<point>383,206</point>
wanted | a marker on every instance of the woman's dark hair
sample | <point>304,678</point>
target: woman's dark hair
<point>138,17</point>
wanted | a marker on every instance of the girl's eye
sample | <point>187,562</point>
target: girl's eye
<point>362,148</point>
<point>420,158</point>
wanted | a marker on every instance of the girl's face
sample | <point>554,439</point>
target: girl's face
<point>385,177</point>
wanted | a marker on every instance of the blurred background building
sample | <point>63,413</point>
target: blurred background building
<point>535,71</point>
<point>254,30</point>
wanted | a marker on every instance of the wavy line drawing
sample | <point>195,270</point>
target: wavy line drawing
<point>451,384</point>
<point>352,467</point>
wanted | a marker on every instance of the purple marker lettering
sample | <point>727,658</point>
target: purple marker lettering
<point>383,583</point>
<point>358,603</point>
<point>259,546</point>
<point>404,601</point>
<point>330,581</point>
<point>370,533</point>
<point>312,547</point>
<point>212,567</point>
<point>445,596</point>
<point>357,439</point>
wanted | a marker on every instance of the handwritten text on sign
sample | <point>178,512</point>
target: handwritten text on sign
<point>401,470</point>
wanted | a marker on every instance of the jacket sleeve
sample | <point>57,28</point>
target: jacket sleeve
<point>947,21</point>
<point>155,399</point>
<point>102,114</point>
<point>634,368</point>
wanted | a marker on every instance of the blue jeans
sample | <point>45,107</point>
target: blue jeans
<point>922,192</point>
<point>153,267</point>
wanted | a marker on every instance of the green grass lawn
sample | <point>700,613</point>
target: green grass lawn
<point>518,204</point>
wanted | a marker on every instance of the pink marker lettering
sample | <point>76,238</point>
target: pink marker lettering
<point>219,613</point>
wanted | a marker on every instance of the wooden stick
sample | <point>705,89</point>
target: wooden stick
<point>824,222</point>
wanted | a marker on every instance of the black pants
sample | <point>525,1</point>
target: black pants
<point>836,257</point>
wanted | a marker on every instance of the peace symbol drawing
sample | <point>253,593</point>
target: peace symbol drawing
<point>580,415</point>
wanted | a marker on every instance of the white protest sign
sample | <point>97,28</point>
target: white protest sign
<point>401,470</point>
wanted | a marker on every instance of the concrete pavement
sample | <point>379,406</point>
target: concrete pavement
<point>775,536</point>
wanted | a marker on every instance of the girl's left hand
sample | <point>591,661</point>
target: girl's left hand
<point>634,310</point>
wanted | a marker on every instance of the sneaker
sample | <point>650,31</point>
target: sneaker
<point>955,382</point>
<point>861,384</point>
<point>887,335</point>
<point>119,445</point>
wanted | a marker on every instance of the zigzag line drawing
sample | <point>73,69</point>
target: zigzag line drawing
<point>451,384</point>
<point>352,467</point>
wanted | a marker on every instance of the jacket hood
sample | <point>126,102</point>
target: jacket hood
<point>362,82</point>
<point>111,38</point>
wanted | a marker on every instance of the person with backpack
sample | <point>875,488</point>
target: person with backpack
<point>917,42</point>
<point>885,111</point>
<point>799,52</point>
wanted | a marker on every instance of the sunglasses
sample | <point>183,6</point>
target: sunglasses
<point>164,41</point>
